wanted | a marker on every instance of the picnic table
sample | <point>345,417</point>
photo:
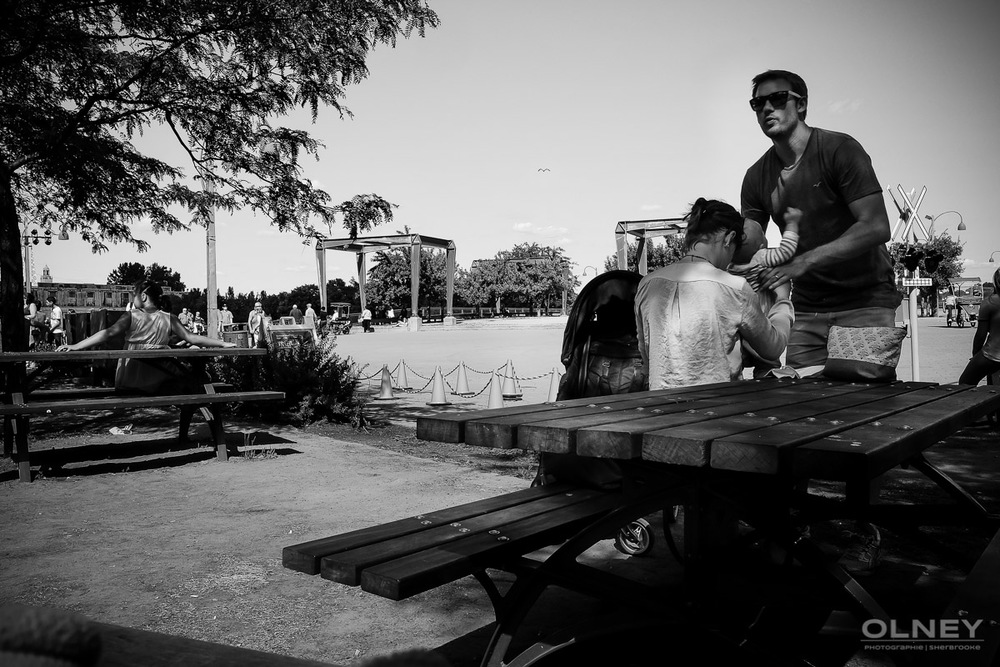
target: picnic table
<point>748,445</point>
<point>24,393</point>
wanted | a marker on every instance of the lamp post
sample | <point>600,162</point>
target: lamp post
<point>993,253</point>
<point>930,228</point>
<point>29,240</point>
<point>589,267</point>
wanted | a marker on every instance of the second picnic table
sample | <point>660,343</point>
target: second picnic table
<point>24,395</point>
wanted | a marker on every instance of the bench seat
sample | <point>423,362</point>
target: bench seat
<point>402,558</point>
<point>18,412</point>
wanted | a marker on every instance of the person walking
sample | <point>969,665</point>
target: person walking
<point>366,320</point>
<point>255,325</point>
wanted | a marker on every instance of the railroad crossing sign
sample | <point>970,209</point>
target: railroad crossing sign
<point>908,214</point>
<point>917,282</point>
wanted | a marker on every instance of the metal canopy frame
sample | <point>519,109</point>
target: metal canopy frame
<point>644,229</point>
<point>363,245</point>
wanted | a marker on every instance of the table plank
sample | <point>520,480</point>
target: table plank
<point>766,450</point>
<point>691,444</point>
<point>560,435</point>
<point>451,427</point>
<point>871,449</point>
<point>504,432</point>
<point>624,440</point>
<point>98,355</point>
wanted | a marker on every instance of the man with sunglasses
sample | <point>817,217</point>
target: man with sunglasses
<point>841,274</point>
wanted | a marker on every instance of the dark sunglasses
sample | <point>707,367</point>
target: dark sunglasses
<point>778,99</point>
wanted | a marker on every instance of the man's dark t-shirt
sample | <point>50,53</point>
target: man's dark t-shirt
<point>833,171</point>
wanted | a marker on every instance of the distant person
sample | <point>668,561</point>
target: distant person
<point>36,321</point>
<point>950,303</point>
<point>56,330</point>
<point>295,314</point>
<point>198,325</point>
<point>366,320</point>
<point>255,325</point>
<point>225,318</point>
<point>185,319</point>
<point>309,312</point>
<point>985,359</point>
<point>147,327</point>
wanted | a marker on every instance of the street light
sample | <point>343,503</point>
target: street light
<point>589,267</point>
<point>930,228</point>
<point>993,253</point>
<point>29,240</point>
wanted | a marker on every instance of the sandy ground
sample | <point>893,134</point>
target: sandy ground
<point>172,541</point>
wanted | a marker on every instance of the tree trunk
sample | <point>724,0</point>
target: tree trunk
<point>13,333</point>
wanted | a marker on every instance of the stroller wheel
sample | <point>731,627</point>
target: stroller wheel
<point>635,539</point>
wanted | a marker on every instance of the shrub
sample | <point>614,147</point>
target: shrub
<point>317,383</point>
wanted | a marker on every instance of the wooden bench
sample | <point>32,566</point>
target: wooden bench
<point>18,413</point>
<point>399,559</point>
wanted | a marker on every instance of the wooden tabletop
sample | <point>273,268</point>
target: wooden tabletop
<point>816,428</point>
<point>94,355</point>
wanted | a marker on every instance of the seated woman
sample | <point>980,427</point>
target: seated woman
<point>985,359</point>
<point>147,327</point>
<point>691,315</point>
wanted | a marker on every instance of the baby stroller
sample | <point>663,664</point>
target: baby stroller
<point>601,354</point>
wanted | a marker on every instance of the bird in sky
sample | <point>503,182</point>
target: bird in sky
<point>544,169</point>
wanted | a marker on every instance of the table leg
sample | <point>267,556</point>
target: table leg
<point>8,436</point>
<point>20,428</point>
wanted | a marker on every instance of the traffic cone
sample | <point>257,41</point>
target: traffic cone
<point>386,392</point>
<point>462,384</point>
<point>496,398</point>
<point>510,392</point>
<point>402,382</point>
<point>437,391</point>
<point>553,386</point>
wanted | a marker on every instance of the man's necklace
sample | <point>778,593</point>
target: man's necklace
<point>701,257</point>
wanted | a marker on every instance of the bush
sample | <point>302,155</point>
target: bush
<point>317,384</point>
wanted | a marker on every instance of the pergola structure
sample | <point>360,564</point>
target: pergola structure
<point>643,229</point>
<point>362,246</point>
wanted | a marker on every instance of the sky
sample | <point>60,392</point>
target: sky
<point>635,109</point>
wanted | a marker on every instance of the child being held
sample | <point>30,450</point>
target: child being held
<point>750,261</point>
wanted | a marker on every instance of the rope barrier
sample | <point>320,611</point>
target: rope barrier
<point>429,380</point>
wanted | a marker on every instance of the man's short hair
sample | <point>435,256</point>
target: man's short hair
<point>50,299</point>
<point>797,83</point>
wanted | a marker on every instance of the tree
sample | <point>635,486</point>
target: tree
<point>657,254</point>
<point>80,80</point>
<point>528,274</point>
<point>165,277</point>
<point>388,284</point>
<point>127,273</point>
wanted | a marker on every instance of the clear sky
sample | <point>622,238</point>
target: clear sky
<point>636,107</point>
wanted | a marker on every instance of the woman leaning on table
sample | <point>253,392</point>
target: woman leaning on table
<point>692,314</point>
<point>985,359</point>
<point>147,327</point>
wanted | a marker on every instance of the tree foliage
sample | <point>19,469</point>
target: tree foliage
<point>81,81</point>
<point>945,250</point>
<point>129,273</point>
<point>657,254</point>
<point>528,274</point>
<point>388,281</point>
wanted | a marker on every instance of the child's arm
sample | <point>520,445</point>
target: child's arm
<point>104,335</point>
<point>789,242</point>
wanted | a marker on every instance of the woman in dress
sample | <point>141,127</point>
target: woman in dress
<point>147,327</point>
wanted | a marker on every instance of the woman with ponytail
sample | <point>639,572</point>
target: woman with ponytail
<point>692,314</point>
